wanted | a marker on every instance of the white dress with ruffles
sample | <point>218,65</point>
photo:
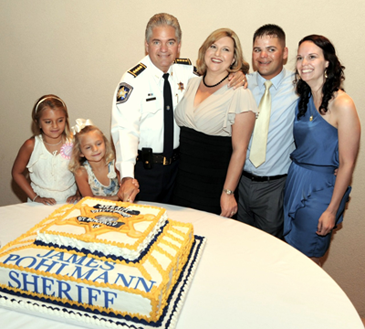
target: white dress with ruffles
<point>49,173</point>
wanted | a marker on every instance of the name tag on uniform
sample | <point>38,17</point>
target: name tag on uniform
<point>150,97</point>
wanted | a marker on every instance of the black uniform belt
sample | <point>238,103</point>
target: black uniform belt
<point>159,158</point>
<point>261,178</point>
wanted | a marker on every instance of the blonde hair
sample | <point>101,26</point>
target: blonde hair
<point>52,102</point>
<point>77,160</point>
<point>239,63</point>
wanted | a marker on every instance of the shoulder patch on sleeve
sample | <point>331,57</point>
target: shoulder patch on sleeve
<point>138,69</point>
<point>184,61</point>
<point>124,91</point>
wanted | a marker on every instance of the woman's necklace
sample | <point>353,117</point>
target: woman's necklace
<point>216,83</point>
<point>53,144</point>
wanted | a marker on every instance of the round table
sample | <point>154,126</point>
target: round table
<point>245,279</point>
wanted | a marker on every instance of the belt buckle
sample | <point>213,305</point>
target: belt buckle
<point>166,162</point>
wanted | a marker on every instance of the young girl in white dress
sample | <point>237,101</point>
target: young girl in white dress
<point>46,155</point>
<point>92,162</point>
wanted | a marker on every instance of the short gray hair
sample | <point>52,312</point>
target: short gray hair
<point>160,20</point>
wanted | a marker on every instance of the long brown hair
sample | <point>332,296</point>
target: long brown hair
<point>334,72</point>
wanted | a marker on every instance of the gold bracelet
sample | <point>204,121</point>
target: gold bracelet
<point>229,192</point>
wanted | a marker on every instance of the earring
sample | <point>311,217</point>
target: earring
<point>325,74</point>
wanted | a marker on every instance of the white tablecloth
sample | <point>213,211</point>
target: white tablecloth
<point>245,279</point>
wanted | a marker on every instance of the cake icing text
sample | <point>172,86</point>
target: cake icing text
<point>78,267</point>
<point>61,289</point>
<point>123,211</point>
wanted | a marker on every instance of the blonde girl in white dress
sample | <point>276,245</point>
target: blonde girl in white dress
<point>46,155</point>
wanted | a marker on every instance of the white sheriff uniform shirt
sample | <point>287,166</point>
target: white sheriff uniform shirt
<point>137,115</point>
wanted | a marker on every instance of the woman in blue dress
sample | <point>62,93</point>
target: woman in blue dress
<point>327,136</point>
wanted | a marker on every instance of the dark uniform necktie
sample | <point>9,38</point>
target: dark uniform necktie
<point>168,145</point>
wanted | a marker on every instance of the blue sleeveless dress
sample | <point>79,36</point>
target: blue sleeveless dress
<point>310,182</point>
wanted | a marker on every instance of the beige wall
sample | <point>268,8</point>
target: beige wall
<point>78,50</point>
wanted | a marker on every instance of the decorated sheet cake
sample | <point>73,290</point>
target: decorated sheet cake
<point>102,263</point>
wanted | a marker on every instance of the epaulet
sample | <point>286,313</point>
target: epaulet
<point>138,69</point>
<point>184,61</point>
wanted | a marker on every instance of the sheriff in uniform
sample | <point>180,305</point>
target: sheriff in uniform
<point>138,129</point>
<point>138,114</point>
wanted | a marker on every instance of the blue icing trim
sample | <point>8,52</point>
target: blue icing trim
<point>186,272</point>
<point>100,254</point>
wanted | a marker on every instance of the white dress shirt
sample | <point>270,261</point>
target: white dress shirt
<point>137,120</point>
<point>280,140</point>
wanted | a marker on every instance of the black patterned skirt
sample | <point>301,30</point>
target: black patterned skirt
<point>204,161</point>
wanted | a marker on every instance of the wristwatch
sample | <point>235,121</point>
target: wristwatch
<point>229,192</point>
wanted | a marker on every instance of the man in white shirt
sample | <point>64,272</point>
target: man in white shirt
<point>261,188</point>
<point>138,114</point>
